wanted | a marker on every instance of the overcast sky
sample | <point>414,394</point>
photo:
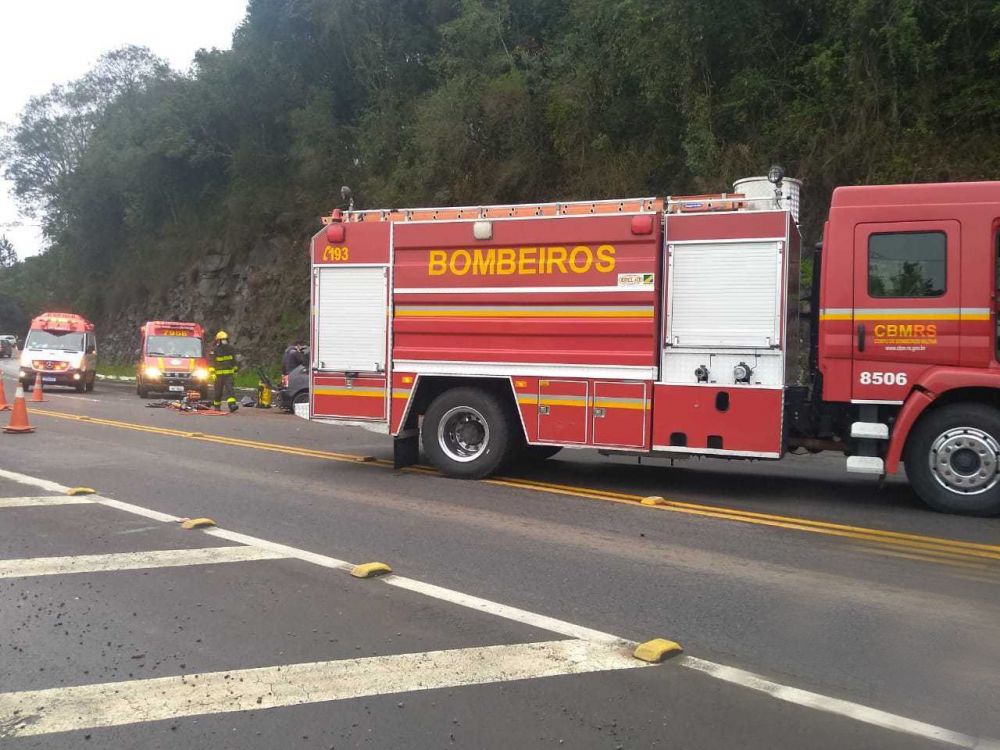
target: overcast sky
<point>43,42</point>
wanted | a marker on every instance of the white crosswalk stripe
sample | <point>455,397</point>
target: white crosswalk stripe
<point>38,712</point>
<point>169,558</point>
<point>44,500</point>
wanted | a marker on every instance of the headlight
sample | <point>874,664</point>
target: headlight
<point>201,374</point>
<point>153,373</point>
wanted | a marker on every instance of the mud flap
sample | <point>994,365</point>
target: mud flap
<point>406,449</point>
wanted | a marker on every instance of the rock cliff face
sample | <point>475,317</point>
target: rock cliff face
<point>260,298</point>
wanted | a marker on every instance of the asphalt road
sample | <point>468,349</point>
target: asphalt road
<point>795,572</point>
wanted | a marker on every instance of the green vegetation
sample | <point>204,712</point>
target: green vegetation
<point>115,371</point>
<point>135,169</point>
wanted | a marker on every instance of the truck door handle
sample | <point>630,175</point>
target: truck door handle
<point>861,337</point>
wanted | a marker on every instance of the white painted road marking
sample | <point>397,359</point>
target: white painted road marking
<point>825,703</point>
<point>817,701</point>
<point>168,558</point>
<point>27,502</point>
<point>38,712</point>
<point>503,610</point>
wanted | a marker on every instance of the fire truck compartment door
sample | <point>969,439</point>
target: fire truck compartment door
<point>351,305</point>
<point>726,294</point>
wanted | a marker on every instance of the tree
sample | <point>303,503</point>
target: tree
<point>8,256</point>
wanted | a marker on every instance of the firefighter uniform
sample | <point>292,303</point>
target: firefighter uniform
<point>224,366</point>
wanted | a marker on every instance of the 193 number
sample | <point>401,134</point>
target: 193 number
<point>883,378</point>
<point>335,254</point>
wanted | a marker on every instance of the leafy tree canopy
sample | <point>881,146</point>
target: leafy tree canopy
<point>135,169</point>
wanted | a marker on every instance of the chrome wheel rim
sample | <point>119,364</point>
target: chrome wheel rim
<point>965,460</point>
<point>463,434</point>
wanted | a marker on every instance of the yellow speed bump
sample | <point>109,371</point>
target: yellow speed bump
<point>653,500</point>
<point>197,523</point>
<point>368,570</point>
<point>81,491</point>
<point>656,650</point>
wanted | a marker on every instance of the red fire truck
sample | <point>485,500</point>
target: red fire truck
<point>668,327</point>
<point>171,359</point>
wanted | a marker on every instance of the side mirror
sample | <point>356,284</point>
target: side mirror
<point>91,349</point>
<point>138,352</point>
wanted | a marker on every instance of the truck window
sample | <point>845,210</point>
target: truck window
<point>907,264</point>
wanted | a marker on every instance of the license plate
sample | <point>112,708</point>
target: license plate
<point>48,380</point>
<point>179,388</point>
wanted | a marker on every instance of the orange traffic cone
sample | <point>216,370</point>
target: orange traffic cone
<point>19,415</point>
<point>4,406</point>
<point>37,395</point>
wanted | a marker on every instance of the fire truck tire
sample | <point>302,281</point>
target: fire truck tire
<point>467,433</point>
<point>952,459</point>
<point>140,389</point>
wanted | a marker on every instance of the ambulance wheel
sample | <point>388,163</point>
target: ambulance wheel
<point>541,452</point>
<point>90,383</point>
<point>467,433</point>
<point>952,459</point>
<point>81,386</point>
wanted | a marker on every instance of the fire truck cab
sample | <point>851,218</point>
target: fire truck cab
<point>671,327</point>
<point>62,348</point>
<point>171,359</point>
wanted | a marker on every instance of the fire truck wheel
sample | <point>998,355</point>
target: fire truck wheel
<point>953,459</point>
<point>466,433</point>
<point>140,389</point>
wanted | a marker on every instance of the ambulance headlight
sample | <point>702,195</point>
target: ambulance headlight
<point>153,373</point>
<point>200,374</point>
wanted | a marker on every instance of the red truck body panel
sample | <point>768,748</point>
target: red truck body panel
<point>620,324</point>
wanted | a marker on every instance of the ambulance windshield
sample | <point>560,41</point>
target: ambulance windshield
<point>64,340</point>
<point>173,346</point>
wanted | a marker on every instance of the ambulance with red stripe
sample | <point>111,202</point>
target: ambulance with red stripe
<point>171,359</point>
<point>62,348</point>
<point>673,327</point>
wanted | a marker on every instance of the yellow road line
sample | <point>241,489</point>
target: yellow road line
<point>931,549</point>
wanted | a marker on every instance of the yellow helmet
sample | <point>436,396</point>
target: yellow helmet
<point>221,335</point>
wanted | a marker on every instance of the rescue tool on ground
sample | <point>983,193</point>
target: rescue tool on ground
<point>62,349</point>
<point>171,359</point>
<point>670,326</point>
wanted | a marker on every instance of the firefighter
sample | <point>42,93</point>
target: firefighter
<point>224,366</point>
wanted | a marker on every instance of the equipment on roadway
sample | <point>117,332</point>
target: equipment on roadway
<point>62,348</point>
<point>671,327</point>
<point>4,405</point>
<point>171,359</point>
<point>265,390</point>
<point>18,424</point>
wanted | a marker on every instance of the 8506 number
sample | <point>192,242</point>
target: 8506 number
<point>882,378</point>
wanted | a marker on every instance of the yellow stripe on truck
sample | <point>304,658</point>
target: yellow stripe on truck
<point>369,392</point>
